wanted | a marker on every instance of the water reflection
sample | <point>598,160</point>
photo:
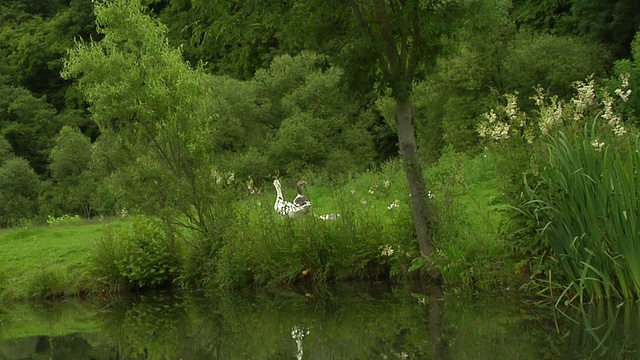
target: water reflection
<point>606,331</point>
<point>350,322</point>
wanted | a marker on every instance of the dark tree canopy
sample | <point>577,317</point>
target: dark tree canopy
<point>612,23</point>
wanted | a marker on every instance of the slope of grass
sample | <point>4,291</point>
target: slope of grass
<point>47,261</point>
<point>370,240</point>
<point>373,232</point>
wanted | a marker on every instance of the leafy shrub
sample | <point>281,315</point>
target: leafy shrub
<point>149,256</point>
<point>19,190</point>
<point>140,255</point>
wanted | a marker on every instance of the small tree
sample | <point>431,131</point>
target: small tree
<point>405,35</point>
<point>19,190</point>
<point>166,115</point>
<point>70,159</point>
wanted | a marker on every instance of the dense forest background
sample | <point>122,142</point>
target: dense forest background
<point>291,87</point>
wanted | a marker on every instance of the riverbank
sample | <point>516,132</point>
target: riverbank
<point>372,239</point>
<point>49,261</point>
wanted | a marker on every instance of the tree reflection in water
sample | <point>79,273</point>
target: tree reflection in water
<point>346,322</point>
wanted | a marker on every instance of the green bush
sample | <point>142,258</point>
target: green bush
<point>19,190</point>
<point>140,255</point>
<point>149,257</point>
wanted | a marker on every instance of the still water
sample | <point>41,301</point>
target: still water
<point>349,322</point>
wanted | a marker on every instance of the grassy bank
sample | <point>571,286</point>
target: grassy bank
<point>48,261</point>
<point>372,239</point>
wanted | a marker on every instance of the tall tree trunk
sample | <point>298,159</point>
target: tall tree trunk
<point>419,203</point>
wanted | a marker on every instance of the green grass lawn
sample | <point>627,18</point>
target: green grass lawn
<point>48,260</point>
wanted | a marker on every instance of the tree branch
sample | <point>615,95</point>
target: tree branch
<point>386,33</point>
<point>415,42</point>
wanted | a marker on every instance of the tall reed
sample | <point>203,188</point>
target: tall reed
<point>590,201</point>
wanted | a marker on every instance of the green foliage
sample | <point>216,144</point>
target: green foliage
<point>107,155</point>
<point>141,255</point>
<point>578,190</point>
<point>627,76</point>
<point>318,125</point>
<point>149,255</point>
<point>611,23</point>
<point>368,240</point>
<point>73,186</point>
<point>587,205</point>
<point>165,115</point>
<point>6,152</point>
<point>71,154</point>
<point>471,253</point>
<point>29,124</point>
<point>489,61</point>
<point>553,62</point>
<point>19,191</point>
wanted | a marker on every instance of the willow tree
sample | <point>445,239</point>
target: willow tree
<point>405,37</point>
<point>165,114</point>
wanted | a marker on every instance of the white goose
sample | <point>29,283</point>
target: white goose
<point>286,208</point>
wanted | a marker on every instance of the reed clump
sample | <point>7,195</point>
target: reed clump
<point>591,202</point>
<point>579,203</point>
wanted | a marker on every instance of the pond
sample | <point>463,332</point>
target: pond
<point>377,321</point>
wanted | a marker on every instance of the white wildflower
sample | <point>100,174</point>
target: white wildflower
<point>585,97</point>
<point>386,183</point>
<point>613,119</point>
<point>298,333</point>
<point>483,130</point>
<point>387,250</point>
<point>370,191</point>
<point>550,116</point>
<point>491,116</point>
<point>500,131</point>
<point>512,106</point>
<point>598,145</point>
<point>394,205</point>
<point>624,94</point>
<point>539,96</point>
<point>250,187</point>
<point>619,130</point>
